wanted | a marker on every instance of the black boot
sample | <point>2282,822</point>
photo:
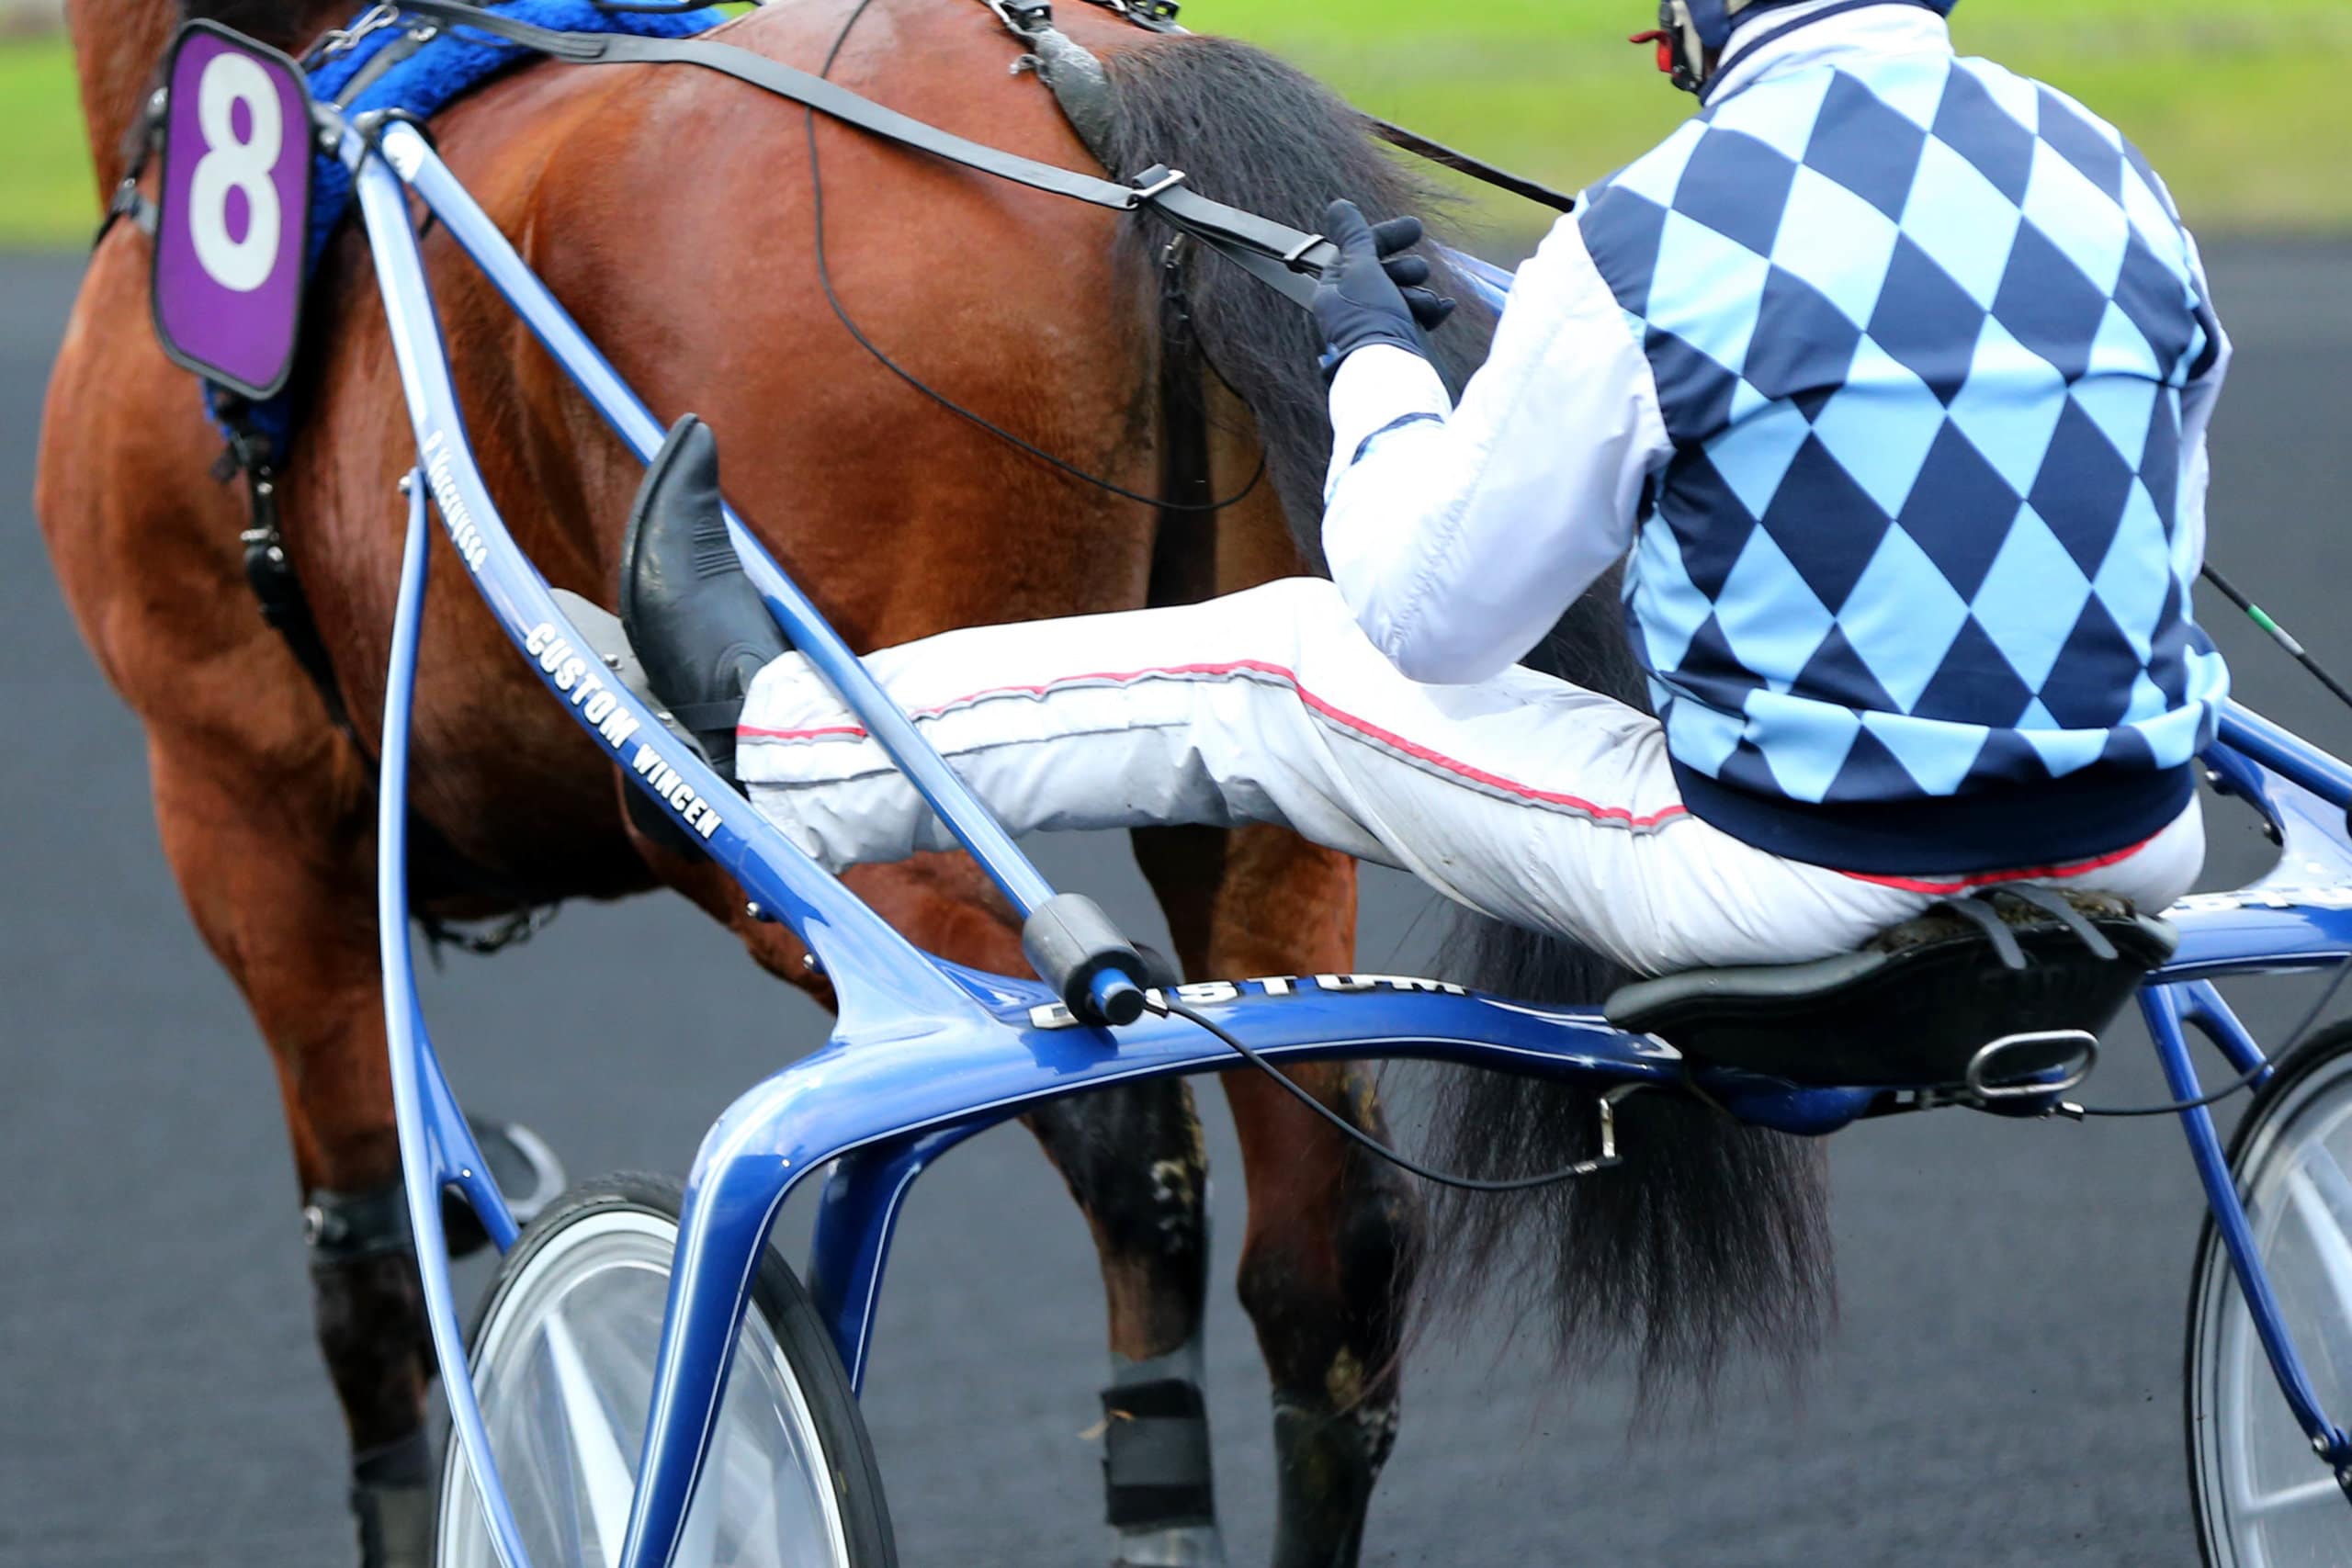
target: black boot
<point>686,605</point>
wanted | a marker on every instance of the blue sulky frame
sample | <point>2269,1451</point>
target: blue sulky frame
<point>927,1053</point>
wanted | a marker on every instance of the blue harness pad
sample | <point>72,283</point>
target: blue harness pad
<point>455,62</point>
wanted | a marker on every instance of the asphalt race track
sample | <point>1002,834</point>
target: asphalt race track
<point>2005,1388</point>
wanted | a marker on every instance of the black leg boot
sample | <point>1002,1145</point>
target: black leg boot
<point>687,607</point>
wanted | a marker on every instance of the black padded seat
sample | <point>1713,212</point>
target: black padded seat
<point>1914,1008</point>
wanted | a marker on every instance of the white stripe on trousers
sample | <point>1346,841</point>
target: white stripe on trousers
<point>1524,797</point>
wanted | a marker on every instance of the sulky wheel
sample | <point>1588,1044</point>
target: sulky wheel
<point>563,1363</point>
<point>2263,1499</point>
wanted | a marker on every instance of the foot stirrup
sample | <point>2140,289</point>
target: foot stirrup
<point>605,639</point>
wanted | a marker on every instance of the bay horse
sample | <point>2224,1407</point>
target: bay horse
<point>673,211</point>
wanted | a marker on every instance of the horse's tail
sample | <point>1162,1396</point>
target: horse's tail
<point>1248,130</point>
<point>1709,1236</point>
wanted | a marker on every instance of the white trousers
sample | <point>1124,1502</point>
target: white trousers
<point>1524,797</point>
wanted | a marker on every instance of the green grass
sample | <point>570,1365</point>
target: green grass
<point>47,196</point>
<point>2241,103</point>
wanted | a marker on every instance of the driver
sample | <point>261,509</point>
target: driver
<point>1891,373</point>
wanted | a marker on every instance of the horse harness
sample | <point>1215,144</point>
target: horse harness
<point>1283,258</point>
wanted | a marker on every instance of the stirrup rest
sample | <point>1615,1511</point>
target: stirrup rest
<point>610,643</point>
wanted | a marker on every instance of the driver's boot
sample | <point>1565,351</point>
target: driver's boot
<point>688,609</point>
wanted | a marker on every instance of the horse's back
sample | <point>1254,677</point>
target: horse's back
<point>680,222</point>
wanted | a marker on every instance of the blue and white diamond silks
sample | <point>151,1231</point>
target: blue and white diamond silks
<point>1920,330</point>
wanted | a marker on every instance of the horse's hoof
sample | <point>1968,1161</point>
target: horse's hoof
<point>1176,1546</point>
<point>395,1525</point>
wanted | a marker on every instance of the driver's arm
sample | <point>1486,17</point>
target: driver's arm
<point>1460,535</point>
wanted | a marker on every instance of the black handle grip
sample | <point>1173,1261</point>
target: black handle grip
<point>1093,967</point>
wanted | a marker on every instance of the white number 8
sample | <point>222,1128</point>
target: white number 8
<point>230,165</point>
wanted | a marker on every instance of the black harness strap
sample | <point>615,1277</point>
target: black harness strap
<point>1181,573</point>
<point>1152,16</point>
<point>1283,257</point>
<point>1079,81</point>
<point>284,606</point>
<point>286,609</point>
<point>129,200</point>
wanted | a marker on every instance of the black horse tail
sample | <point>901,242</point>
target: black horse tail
<point>1710,1237</point>
<point>1250,130</point>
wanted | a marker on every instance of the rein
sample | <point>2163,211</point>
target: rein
<point>1285,259</point>
<point>1461,163</point>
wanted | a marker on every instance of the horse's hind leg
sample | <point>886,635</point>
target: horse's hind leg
<point>289,911</point>
<point>1134,1160</point>
<point>1331,1232</point>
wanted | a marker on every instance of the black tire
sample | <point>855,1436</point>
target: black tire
<point>780,1302</point>
<point>2323,1063</point>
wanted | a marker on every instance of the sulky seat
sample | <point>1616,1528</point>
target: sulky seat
<point>1999,995</point>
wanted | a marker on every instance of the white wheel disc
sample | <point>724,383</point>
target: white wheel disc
<point>564,1370</point>
<point>2266,1500</point>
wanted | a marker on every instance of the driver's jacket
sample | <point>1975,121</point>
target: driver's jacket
<point>1892,371</point>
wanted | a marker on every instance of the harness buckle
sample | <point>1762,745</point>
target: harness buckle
<point>1168,179</point>
<point>338,41</point>
<point>1159,16</point>
<point>1028,15</point>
